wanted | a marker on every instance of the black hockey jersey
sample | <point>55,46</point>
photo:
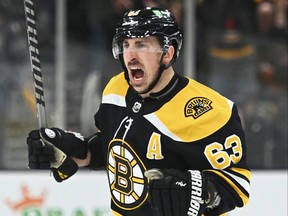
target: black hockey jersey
<point>186,126</point>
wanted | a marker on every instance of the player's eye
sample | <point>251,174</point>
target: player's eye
<point>141,46</point>
<point>125,45</point>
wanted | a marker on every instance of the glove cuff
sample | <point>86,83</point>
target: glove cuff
<point>68,168</point>
<point>199,193</point>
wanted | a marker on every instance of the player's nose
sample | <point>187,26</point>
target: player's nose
<point>130,54</point>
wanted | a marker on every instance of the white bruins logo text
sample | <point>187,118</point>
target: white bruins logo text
<point>197,106</point>
<point>128,185</point>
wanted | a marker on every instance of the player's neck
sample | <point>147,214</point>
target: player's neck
<point>164,80</point>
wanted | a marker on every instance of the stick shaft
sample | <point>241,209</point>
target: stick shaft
<point>35,61</point>
<point>37,76</point>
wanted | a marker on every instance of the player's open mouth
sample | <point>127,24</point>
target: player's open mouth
<point>137,73</point>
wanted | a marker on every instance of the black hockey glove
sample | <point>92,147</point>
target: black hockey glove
<point>174,193</point>
<point>40,155</point>
<point>48,149</point>
<point>71,143</point>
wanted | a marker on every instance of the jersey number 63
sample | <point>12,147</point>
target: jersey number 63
<point>220,156</point>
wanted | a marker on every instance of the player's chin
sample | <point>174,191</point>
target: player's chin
<point>140,89</point>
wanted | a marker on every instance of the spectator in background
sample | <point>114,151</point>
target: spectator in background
<point>176,7</point>
<point>271,19</point>
<point>265,117</point>
<point>271,41</point>
<point>232,65</point>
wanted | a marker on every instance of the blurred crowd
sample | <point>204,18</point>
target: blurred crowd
<point>241,51</point>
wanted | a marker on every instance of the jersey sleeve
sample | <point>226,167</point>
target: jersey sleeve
<point>233,187</point>
<point>229,170</point>
<point>96,150</point>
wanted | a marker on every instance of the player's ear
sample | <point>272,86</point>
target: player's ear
<point>169,55</point>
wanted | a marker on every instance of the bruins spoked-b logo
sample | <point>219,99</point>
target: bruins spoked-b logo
<point>128,185</point>
<point>197,106</point>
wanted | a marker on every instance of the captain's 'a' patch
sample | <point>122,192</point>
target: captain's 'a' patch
<point>197,106</point>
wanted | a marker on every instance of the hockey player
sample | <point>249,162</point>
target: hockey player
<point>170,145</point>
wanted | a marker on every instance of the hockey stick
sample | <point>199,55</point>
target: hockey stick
<point>37,74</point>
<point>35,62</point>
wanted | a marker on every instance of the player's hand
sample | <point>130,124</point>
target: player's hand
<point>172,192</point>
<point>43,154</point>
<point>40,156</point>
<point>71,143</point>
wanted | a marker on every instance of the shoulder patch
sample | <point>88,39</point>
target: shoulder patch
<point>197,106</point>
<point>194,113</point>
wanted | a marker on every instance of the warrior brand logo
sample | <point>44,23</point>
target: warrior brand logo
<point>196,193</point>
<point>197,106</point>
<point>128,185</point>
